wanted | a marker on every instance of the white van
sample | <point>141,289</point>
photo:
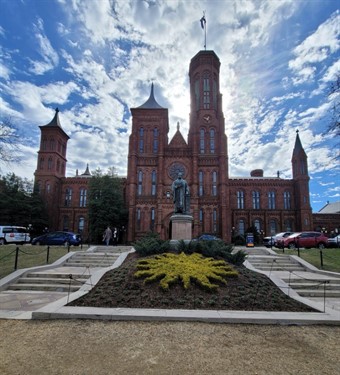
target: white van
<point>12,234</point>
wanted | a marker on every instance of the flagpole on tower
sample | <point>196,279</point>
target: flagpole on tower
<point>204,27</point>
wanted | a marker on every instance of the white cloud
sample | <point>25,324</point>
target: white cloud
<point>49,55</point>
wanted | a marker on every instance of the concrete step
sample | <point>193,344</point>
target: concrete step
<point>89,264</point>
<point>315,285</point>
<point>51,280</point>
<point>318,293</point>
<point>53,275</point>
<point>43,287</point>
<point>278,267</point>
<point>294,281</point>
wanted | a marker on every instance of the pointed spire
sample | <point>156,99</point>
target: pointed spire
<point>87,171</point>
<point>177,125</point>
<point>151,103</point>
<point>55,121</point>
<point>298,146</point>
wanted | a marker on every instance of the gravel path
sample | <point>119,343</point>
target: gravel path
<point>87,347</point>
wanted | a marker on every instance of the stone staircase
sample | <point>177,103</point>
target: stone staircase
<point>71,275</point>
<point>46,281</point>
<point>93,259</point>
<point>274,263</point>
<point>315,288</point>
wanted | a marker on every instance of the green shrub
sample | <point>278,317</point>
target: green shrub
<point>151,244</point>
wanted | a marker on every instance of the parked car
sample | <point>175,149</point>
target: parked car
<point>271,241</point>
<point>207,237</point>
<point>303,239</point>
<point>334,242</point>
<point>13,234</point>
<point>58,238</point>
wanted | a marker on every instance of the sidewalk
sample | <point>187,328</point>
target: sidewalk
<point>89,266</point>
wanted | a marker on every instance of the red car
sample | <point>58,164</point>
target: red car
<point>303,239</point>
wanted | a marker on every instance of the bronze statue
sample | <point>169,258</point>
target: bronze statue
<point>181,195</point>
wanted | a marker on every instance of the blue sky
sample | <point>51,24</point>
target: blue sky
<point>95,59</point>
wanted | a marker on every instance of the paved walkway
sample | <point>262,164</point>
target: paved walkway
<point>43,292</point>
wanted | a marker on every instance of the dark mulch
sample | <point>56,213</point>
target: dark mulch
<point>249,291</point>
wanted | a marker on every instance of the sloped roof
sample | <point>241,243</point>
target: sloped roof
<point>331,208</point>
<point>177,140</point>
<point>151,103</point>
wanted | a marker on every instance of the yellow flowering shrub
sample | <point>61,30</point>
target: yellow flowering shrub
<point>169,268</point>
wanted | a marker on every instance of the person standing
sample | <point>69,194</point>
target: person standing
<point>115,236</point>
<point>107,235</point>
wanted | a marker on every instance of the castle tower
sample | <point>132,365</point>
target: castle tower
<point>144,189</point>
<point>51,165</point>
<point>304,219</point>
<point>208,141</point>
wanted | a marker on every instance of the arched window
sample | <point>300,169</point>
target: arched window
<point>201,216</point>
<point>272,227</point>
<point>214,184</point>
<point>257,225</point>
<point>215,92</point>
<point>212,141</point>
<point>200,183</point>
<point>68,197</point>
<point>81,225</point>
<point>48,187</point>
<point>155,140</point>
<point>44,144</point>
<point>271,200</point>
<point>153,183</point>
<point>240,200</point>
<point>152,222</point>
<point>241,227</point>
<point>202,145</point>
<point>58,165</point>
<point>206,92</point>
<point>141,140</point>
<point>52,144</point>
<point>286,200</point>
<point>49,163</point>
<point>66,223</point>
<point>197,93</point>
<point>82,197</point>
<point>288,225</point>
<point>42,163</point>
<point>256,200</point>
<point>140,183</point>
<point>138,218</point>
<point>214,220</point>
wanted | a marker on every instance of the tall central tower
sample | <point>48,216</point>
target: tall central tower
<point>208,142</point>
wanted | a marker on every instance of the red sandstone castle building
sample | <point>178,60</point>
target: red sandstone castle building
<point>220,204</point>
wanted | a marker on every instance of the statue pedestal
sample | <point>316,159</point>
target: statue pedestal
<point>181,228</point>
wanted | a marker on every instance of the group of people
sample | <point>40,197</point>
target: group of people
<point>110,234</point>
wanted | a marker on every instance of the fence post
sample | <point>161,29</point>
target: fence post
<point>48,254</point>
<point>298,252</point>
<point>321,259</point>
<point>16,258</point>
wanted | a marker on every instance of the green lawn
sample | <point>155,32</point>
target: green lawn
<point>29,256</point>
<point>331,257</point>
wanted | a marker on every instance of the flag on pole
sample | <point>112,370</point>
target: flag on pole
<point>203,22</point>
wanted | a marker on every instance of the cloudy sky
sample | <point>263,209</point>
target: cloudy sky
<point>96,59</point>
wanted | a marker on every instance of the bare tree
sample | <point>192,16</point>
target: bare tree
<point>9,142</point>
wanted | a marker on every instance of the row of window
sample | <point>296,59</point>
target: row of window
<point>241,226</point>
<point>256,200</point>
<point>200,183</point>
<point>155,140</point>
<point>211,141</point>
<point>209,96</point>
<point>50,144</point>
<point>59,168</point>
<point>82,197</point>
<point>66,224</point>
